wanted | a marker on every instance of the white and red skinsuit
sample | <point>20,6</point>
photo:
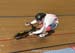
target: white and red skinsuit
<point>48,20</point>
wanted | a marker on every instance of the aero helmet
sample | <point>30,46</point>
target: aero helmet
<point>39,16</point>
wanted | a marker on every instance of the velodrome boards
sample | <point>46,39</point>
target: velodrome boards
<point>31,7</point>
<point>14,13</point>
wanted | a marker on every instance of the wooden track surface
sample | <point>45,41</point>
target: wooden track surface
<point>31,7</point>
<point>12,19</point>
<point>65,33</point>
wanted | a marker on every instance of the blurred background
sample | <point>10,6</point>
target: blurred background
<point>14,13</point>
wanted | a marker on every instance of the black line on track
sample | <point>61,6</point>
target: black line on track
<point>33,16</point>
<point>43,47</point>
